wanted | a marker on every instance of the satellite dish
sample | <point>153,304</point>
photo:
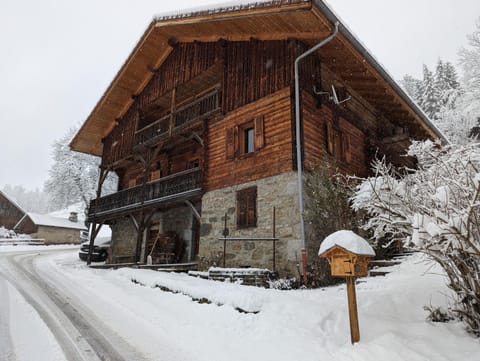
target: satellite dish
<point>334,96</point>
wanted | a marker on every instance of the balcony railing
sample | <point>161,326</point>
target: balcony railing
<point>171,187</point>
<point>180,118</point>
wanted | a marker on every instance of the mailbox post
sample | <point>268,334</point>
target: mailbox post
<point>348,255</point>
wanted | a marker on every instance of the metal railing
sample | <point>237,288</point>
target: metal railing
<point>168,187</point>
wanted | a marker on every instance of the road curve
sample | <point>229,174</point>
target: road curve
<point>80,334</point>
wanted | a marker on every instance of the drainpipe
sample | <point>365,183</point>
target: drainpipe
<point>298,145</point>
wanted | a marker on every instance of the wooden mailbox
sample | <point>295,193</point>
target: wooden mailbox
<point>344,263</point>
<point>348,255</point>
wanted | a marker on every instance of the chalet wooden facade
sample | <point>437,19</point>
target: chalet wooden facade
<point>199,126</point>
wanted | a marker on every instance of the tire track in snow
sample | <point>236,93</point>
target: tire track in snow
<point>80,340</point>
<point>6,346</point>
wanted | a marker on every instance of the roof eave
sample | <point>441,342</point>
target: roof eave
<point>331,16</point>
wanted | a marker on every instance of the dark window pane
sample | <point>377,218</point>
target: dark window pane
<point>249,144</point>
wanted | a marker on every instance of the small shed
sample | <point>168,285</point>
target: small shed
<point>347,253</point>
<point>53,230</point>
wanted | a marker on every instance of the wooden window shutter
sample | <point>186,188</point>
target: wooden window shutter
<point>230,143</point>
<point>330,139</point>
<point>252,207</point>
<point>247,207</point>
<point>346,148</point>
<point>241,209</point>
<point>259,133</point>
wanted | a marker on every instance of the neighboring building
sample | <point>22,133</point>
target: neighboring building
<point>200,122</point>
<point>53,230</point>
<point>10,211</point>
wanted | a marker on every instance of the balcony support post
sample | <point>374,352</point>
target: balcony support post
<point>93,229</point>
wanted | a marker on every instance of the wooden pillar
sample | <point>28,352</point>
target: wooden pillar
<point>93,229</point>
<point>352,310</point>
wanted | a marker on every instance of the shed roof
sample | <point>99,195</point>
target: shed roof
<point>12,201</point>
<point>49,221</point>
<point>307,20</point>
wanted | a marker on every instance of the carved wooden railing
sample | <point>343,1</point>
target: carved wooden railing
<point>166,188</point>
<point>180,118</point>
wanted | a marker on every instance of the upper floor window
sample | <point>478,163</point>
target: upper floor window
<point>245,139</point>
<point>338,143</point>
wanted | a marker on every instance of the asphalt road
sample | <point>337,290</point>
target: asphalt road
<point>81,335</point>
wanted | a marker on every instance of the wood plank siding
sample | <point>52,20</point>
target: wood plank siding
<point>233,104</point>
<point>316,119</point>
<point>274,157</point>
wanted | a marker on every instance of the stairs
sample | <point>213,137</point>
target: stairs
<point>382,267</point>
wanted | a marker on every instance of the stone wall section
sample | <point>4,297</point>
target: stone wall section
<point>278,191</point>
<point>56,235</point>
<point>124,240</point>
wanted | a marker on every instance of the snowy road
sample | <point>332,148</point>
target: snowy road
<point>67,330</point>
<point>55,308</point>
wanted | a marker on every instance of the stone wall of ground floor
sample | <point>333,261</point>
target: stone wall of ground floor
<point>55,235</point>
<point>279,191</point>
<point>124,241</point>
<point>124,234</point>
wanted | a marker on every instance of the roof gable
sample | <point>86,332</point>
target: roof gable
<point>310,21</point>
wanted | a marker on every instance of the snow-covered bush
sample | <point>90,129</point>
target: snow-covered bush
<point>434,209</point>
<point>6,233</point>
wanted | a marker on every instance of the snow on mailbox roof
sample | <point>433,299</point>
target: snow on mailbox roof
<point>46,220</point>
<point>348,240</point>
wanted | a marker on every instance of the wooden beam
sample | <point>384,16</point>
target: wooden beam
<point>397,138</point>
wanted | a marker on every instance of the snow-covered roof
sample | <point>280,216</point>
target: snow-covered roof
<point>223,7</point>
<point>348,240</point>
<point>47,220</point>
<point>12,201</point>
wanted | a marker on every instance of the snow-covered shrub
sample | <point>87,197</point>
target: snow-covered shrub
<point>437,314</point>
<point>434,209</point>
<point>284,284</point>
<point>6,233</point>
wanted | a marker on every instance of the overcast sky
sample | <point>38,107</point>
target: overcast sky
<point>59,56</point>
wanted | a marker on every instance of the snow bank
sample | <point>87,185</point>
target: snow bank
<point>349,241</point>
<point>303,325</point>
<point>219,293</point>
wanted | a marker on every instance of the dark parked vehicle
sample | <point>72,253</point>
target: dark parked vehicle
<point>100,249</point>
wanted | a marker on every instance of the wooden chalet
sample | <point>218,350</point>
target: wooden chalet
<point>10,211</point>
<point>199,126</point>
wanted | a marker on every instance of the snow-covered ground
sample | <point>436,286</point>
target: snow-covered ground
<point>206,320</point>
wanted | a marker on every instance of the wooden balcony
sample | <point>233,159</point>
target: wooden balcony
<point>180,119</point>
<point>175,187</point>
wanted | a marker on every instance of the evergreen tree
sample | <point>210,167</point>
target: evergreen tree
<point>429,94</point>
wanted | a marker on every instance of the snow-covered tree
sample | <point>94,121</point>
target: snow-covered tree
<point>30,201</point>
<point>429,94</point>
<point>436,210</point>
<point>446,85</point>
<point>74,176</point>
<point>412,87</point>
<point>459,115</point>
